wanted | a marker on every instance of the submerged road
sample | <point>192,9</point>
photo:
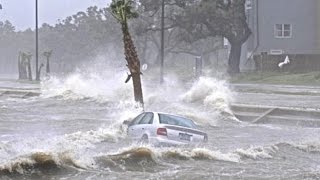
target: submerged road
<point>304,97</point>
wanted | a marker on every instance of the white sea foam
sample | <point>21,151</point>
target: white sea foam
<point>80,85</point>
<point>65,150</point>
<point>161,154</point>
<point>4,150</point>
<point>199,153</point>
<point>210,92</point>
<point>257,152</point>
<point>206,101</point>
<point>313,147</point>
<point>41,159</point>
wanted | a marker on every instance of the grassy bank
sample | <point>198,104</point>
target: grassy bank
<point>311,78</point>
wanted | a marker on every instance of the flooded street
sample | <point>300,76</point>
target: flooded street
<point>72,131</point>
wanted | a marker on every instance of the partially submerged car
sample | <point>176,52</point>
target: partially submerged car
<point>165,129</point>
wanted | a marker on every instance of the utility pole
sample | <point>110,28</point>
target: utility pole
<point>162,43</point>
<point>37,45</point>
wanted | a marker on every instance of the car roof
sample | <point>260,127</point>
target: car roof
<point>155,112</point>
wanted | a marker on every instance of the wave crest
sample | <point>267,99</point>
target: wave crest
<point>257,152</point>
<point>199,154</point>
<point>87,85</point>
<point>210,92</point>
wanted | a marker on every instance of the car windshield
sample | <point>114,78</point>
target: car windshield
<point>137,119</point>
<point>176,120</point>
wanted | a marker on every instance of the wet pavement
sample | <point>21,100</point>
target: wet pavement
<point>304,97</point>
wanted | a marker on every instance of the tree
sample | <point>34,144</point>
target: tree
<point>224,18</point>
<point>47,54</point>
<point>122,10</point>
<point>6,27</point>
<point>147,28</point>
<point>24,65</point>
<point>28,56</point>
<point>177,41</point>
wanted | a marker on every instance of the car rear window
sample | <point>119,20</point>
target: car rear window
<point>176,120</point>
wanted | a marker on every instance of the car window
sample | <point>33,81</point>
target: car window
<point>137,119</point>
<point>147,119</point>
<point>176,120</point>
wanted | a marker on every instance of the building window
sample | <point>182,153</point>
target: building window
<point>283,30</point>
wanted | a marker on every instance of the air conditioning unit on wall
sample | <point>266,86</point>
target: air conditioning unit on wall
<point>276,51</point>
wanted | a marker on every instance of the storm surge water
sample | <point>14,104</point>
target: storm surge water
<point>75,130</point>
<point>104,86</point>
<point>206,99</point>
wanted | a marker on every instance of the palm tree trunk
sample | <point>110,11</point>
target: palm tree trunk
<point>133,63</point>
<point>29,70</point>
<point>48,67</point>
<point>20,66</point>
<point>23,67</point>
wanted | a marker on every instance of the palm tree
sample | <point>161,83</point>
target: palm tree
<point>22,65</point>
<point>122,10</point>
<point>27,57</point>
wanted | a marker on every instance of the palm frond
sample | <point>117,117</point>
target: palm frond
<point>123,10</point>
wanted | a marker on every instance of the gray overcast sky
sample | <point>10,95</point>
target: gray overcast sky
<point>21,13</point>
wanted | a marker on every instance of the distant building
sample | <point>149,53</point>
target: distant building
<point>282,27</point>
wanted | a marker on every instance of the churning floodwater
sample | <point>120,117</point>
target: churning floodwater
<point>74,130</point>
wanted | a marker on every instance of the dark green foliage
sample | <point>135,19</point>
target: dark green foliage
<point>123,10</point>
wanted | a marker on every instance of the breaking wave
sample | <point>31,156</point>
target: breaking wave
<point>210,92</point>
<point>257,152</point>
<point>310,147</point>
<point>69,151</point>
<point>206,100</point>
<point>135,158</point>
<point>199,154</point>
<point>82,85</point>
<point>157,155</point>
<point>38,161</point>
<point>144,158</point>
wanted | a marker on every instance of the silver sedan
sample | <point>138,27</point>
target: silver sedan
<point>165,129</point>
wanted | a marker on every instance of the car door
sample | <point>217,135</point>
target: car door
<point>143,126</point>
<point>133,126</point>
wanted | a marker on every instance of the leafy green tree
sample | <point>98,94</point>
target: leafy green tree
<point>224,18</point>
<point>122,10</point>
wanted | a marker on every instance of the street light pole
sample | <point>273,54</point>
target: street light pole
<point>162,43</point>
<point>37,45</point>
